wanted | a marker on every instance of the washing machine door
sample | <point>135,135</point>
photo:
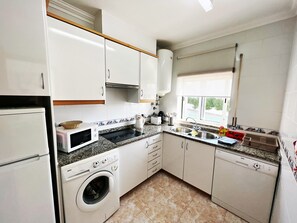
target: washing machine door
<point>95,190</point>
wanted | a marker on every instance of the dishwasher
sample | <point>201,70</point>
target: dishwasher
<point>245,186</point>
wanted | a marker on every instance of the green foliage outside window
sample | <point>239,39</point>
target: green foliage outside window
<point>194,101</point>
<point>214,103</point>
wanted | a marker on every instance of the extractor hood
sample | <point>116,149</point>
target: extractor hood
<point>123,86</point>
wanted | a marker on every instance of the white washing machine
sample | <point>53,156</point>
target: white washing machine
<point>91,189</point>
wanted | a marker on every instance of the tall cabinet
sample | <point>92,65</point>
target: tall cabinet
<point>23,56</point>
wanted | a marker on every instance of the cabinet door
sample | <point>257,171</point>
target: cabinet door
<point>199,161</point>
<point>133,165</point>
<point>173,154</point>
<point>23,61</point>
<point>148,77</point>
<point>77,62</point>
<point>122,64</point>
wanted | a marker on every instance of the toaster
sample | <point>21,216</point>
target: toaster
<point>156,120</point>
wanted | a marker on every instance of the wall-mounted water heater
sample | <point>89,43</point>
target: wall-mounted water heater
<point>165,59</point>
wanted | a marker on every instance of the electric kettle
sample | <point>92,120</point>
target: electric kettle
<point>140,120</point>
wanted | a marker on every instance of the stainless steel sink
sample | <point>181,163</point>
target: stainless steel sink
<point>194,133</point>
<point>181,129</point>
<point>204,135</point>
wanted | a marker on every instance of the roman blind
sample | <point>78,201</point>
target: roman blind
<point>218,84</point>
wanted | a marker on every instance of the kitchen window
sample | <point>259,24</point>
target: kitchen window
<point>205,97</point>
<point>212,110</point>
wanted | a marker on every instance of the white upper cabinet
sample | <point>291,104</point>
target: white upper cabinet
<point>122,64</point>
<point>23,60</point>
<point>148,80</point>
<point>148,77</point>
<point>76,62</point>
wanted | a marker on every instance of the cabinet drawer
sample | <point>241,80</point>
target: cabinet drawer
<point>154,139</point>
<point>154,162</point>
<point>154,155</point>
<point>153,170</point>
<point>154,147</point>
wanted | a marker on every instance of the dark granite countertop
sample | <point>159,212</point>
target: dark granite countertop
<point>103,145</point>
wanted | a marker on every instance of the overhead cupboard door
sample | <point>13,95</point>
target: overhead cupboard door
<point>23,56</point>
<point>122,64</point>
<point>77,62</point>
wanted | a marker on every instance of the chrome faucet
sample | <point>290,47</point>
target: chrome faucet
<point>196,126</point>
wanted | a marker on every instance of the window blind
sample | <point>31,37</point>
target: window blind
<point>217,84</point>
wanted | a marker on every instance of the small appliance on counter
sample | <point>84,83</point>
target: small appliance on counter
<point>156,120</point>
<point>140,120</point>
<point>70,140</point>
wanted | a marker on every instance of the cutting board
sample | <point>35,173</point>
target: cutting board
<point>227,140</point>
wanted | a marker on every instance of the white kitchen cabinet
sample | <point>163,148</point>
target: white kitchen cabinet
<point>189,160</point>
<point>23,57</point>
<point>133,165</point>
<point>148,80</point>
<point>173,154</point>
<point>77,62</point>
<point>122,64</point>
<point>154,147</point>
<point>199,164</point>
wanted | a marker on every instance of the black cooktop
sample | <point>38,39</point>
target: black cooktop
<point>121,135</point>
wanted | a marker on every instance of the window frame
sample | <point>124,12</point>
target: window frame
<point>202,106</point>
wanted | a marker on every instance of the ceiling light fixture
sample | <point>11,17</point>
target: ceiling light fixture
<point>206,4</point>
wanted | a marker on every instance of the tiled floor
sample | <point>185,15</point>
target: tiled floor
<point>164,198</point>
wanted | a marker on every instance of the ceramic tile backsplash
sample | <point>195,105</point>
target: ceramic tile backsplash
<point>266,53</point>
<point>115,109</point>
<point>286,195</point>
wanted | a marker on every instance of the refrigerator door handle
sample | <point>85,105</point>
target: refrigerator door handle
<point>35,157</point>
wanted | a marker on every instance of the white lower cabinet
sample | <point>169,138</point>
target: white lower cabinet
<point>133,165</point>
<point>199,163</point>
<point>189,160</point>
<point>173,154</point>
<point>138,161</point>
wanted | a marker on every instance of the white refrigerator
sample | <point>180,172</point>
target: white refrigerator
<point>25,179</point>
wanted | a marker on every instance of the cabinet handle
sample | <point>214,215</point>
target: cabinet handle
<point>146,144</point>
<point>141,92</point>
<point>108,73</point>
<point>42,81</point>
<point>154,170</point>
<point>182,145</point>
<point>102,88</point>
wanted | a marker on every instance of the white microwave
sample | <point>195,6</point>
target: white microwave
<point>69,140</point>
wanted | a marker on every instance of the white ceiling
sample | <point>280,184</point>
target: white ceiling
<point>178,23</point>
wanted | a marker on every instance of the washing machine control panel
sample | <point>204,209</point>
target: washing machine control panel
<point>105,161</point>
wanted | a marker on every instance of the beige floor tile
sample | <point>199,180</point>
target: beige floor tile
<point>231,218</point>
<point>164,198</point>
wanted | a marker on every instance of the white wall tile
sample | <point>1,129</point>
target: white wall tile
<point>266,52</point>
<point>286,199</point>
<point>116,107</point>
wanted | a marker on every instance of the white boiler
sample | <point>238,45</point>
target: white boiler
<point>164,71</point>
